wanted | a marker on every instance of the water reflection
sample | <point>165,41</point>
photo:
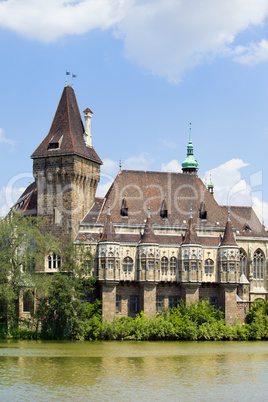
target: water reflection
<point>133,370</point>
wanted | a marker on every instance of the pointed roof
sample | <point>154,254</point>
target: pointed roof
<point>148,234</point>
<point>228,237</point>
<point>108,234</point>
<point>190,164</point>
<point>191,234</point>
<point>66,134</point>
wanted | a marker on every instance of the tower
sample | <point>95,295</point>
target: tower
<point>190,165</point>
<point>66,169</point>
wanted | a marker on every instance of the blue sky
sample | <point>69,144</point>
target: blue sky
<point>147,68</point>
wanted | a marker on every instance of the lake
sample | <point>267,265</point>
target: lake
<point>104,371</point>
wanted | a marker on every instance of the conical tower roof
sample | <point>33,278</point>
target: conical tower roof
<point>108,234</point>
<point>228,237</point>
<point>148,234</point>
<point>66,134</point>
<point>190,165</point>
<point>191,236</point>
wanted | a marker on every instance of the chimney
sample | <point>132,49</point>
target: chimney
<point>87,134</point>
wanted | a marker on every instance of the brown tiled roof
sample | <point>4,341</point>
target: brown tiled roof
<point>27,203</point>
<point>108,234</point>
<point>228,237</point>
<point>242,218</point>
<point>190,234</point>
<point>148,234</point>
<point>67,129</point>
<point>181,191</point>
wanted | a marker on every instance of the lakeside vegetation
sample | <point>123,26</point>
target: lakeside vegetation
<point>60,307</point>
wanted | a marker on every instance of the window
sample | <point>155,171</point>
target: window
<point>118,304</point>
<point>224,266</point>
<point>54,261</point>
<point>232,267</point>
<point>258,265</point>
<point>173,301</point>
<point>150,265</point>
<point>164,265</point>
<point>159,304</point>
<point>127,264</point>
<point>173,265</point>
<point>143,265</point>
<point>28,302</point>
<point>133,304</point>
<point>193,266</point>
<point>186,266</point>
<point>110,264</point>
<point>209,266</point>
<point>53,145</point>
<point>214,302</point>
<point>242,261</point>
<point>103,264</point>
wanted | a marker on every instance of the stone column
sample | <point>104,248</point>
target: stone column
<point>108,300</point>
<point>149,299</point>
<point>228,302</point>
<point>190,292</point>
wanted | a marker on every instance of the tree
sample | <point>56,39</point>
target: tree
<point>62,309</point>
<point>23,248</point>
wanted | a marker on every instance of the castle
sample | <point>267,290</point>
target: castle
<point>157,237</point>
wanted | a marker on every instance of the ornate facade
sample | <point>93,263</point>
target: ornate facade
<point>157,237</point>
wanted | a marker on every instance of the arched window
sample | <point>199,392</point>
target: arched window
<point>164,265</point>
<point>258,261</point>
<point>242,261</point>
<point>209,266</point>
<point>54,261</point>
<point>173,265</point>
<point>127,264</point>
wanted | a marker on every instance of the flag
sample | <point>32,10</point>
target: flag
<point>74,76</point>
<point>67,72</point>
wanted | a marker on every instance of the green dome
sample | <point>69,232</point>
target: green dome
<point>190,165</point>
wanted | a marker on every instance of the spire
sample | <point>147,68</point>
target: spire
<point>228,237</point>
<point>148,234</point>
<point>211,186</point>
<point>190,165</point>
<point>66,134</point>
<point>191,236</point>
<point>108,234</point>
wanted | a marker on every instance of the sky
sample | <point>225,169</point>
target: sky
<point>146,68</point>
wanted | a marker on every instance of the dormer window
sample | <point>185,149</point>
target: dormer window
<point>124,208</point>
<point>202,211</point>
<point>54,144</point>
<point>164,210</point>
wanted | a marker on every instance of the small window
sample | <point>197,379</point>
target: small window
<point>224,266</point>
<point>127,264</point>
<point>232,267</point>
<point>159,304</point>
<point>53,145</point>
<point>118,304</point>
<point>173,265</point>
<point>242,261</point>
<point>54,261</point>
<point>49,262</point>
<point>209,266</point>
<point>186,266</point>
<point>258,260</point>
<point>103,264</point>
<point>143,265</point>
<point>133,304</point>
<point>173,301</point>
<point>193,266</point>
<point>151,265</point>
<point>214,302</point>
<point>110,264</point>
<point>164,265</point>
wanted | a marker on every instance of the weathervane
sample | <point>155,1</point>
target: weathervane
<point>73,76</point>
<point>67,73</point>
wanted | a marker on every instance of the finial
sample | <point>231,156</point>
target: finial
<point>67,73</point>
<point>190,136</point>
<point>191,211</point>
<point>228,219</point>
<point>120,165</point>
<point>149,211</point>
<point>73,76</point>
<point>109,208</point>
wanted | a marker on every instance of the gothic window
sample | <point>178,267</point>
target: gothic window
<point>133,304</point>
<point>173,301</point>
<point>159,304</point>
<point>143,265</point>
<point>186,266</point>
<point>242,262</point>
<point>173,265</point>
<point>127,264</point>
<point>193,266</point>
<point>224,266</point>
<point>164,265</point>
<point>209,266</point>
<point>49,262</point>
<point>258,262</point>
<point>103,265</point>
<point>232,267</point>
<point>54,261</point>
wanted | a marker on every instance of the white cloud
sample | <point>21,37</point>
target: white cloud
<point>166,37</point>
<point>252,54</point>
<point>4,139</point>
<point>109,167</point>
<point>140,162</point>
<point>172,166</point>
<point>8,197</point>
<point>164,143</point>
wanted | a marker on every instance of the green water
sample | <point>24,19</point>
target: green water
<point>130,371</point>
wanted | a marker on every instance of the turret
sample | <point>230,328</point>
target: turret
<point>190,165</point>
